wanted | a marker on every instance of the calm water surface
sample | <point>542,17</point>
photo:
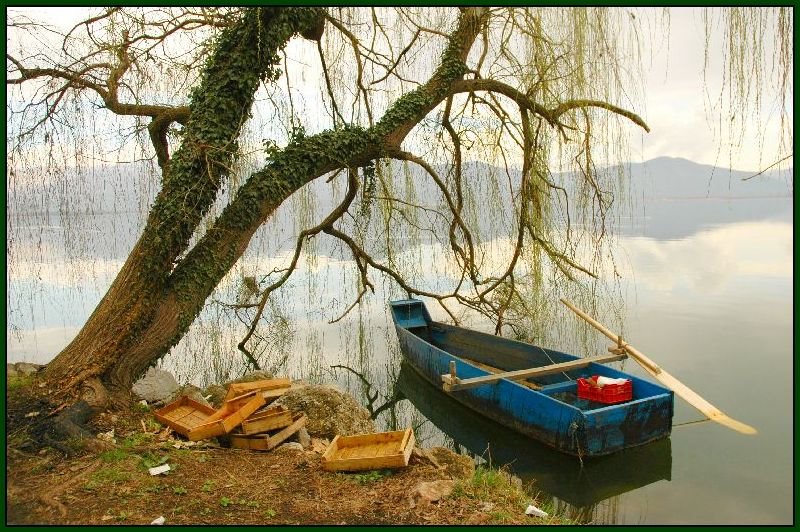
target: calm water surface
<point>712,303</point>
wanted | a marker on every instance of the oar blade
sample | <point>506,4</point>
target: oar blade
<point>738,426</point>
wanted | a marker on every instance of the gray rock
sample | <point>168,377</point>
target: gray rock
<point>156,386</point>
<point>26,368</point>
<point>192,392</point>
<point>291,446</point>
<point>330,411</point>
<point>217,394</point>
<point>304,438</point>
<point>11,371</point>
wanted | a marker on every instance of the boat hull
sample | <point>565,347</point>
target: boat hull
<point>552,415</point>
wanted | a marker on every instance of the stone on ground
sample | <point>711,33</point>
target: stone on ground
<point>330,411</point>
<point>428,492</point>
<point>304,438</point>
<point>156,386</point>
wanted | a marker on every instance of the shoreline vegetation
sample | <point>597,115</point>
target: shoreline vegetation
<point>106,479</point>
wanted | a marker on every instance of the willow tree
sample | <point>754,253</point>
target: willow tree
<point>433,88</point>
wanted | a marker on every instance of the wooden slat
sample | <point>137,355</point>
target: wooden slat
<point>271,395</point>
<point>368,439</point>
<point>239,388</point>
<point>492,369</point>
<point>680,389</point>
<point>267,443</point>
<point>457,385</point>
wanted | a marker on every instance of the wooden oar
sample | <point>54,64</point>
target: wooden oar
<point>680,389</point>
<point>453,384</point>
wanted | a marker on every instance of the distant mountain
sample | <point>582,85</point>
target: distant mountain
<point>123,193</point>
<point>672,177</point>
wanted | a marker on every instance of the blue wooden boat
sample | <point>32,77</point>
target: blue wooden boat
<point>455,358</point>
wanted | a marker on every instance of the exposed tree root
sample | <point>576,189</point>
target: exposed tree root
<point>48,498</point>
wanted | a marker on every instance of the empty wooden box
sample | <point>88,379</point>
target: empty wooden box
<point>383,450</point>
<point>183,415</point>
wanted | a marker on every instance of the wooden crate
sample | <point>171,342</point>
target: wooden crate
<point>267,442</point>
<point>183,415</point>
<point>239,388</point>
<point>274,417</point>
<point>383,450</point>
<point>228,417</point>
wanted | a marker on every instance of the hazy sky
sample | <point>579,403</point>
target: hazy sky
<point>676,106</point>
<point>677,102</point>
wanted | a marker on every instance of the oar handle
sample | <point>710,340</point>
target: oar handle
<point>635,353</point>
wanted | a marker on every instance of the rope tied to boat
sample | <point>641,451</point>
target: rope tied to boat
<point>574,427</point>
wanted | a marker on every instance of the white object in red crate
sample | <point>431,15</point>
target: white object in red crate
<point>602,381</point>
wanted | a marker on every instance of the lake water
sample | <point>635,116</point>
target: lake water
<point>710,299</point>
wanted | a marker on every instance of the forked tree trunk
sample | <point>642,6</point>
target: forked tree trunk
<point>153,301</point>
<point>137,306</point>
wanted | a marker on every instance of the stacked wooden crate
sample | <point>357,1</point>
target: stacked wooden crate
<point>245,416</point>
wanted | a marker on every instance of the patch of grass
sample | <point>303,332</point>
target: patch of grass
<point>270,513</point>
<point>105,476</point>
<point>179,490</point>
<point>152,425</point>
<point>501,517</point>
<point>208,485</point>
<point>18,382</point>
<point>139,407</point>
<point>371,476</point>
<point>507,495</point>
<point>110,475</point>
<point>484,482</point>
<point>225,502</point>
<point>136,439</point>
<point>149,460</point>
<point>114,455</point>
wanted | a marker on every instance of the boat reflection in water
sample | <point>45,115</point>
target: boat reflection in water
<point>562,476</point>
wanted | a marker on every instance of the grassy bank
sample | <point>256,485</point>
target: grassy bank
<point>208,484</point>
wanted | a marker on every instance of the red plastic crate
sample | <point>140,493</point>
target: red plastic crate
<point>609,394</point>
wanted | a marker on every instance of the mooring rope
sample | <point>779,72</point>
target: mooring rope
<point>691,422</point>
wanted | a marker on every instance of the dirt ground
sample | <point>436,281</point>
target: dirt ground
<point>209,484</point>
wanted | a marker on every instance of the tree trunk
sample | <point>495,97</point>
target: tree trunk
<point>138,298</point>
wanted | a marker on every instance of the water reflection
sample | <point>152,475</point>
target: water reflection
<point>705,306</point>
<point>580,486</point>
